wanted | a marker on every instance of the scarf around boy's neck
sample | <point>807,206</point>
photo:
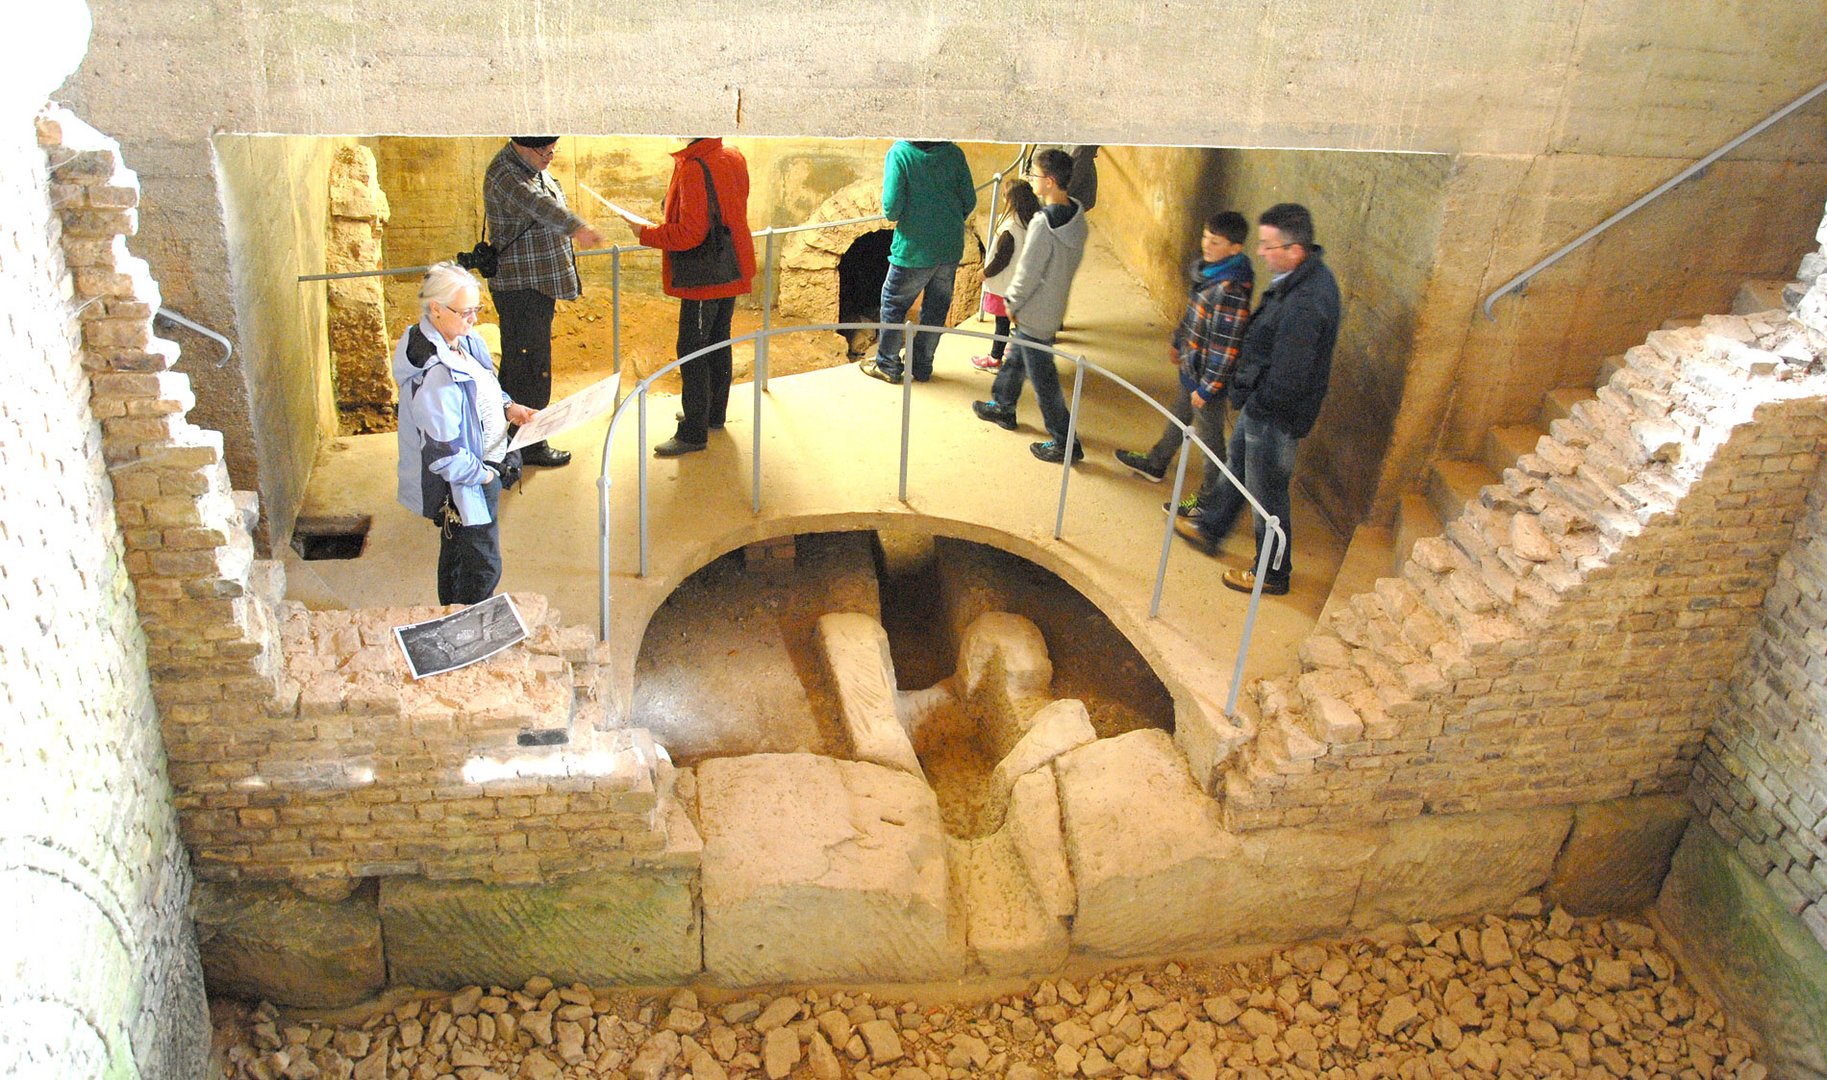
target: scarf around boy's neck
<point>1207,271</point>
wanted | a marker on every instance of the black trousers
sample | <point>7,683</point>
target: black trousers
<point>525,365</point>
<point>706,396</point>
<point>469,556</point>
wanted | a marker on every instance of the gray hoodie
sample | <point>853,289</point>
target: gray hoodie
<point>1043,277</point>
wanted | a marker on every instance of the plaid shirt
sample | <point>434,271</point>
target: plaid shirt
<point>531,227</point>
<point>1212,329</point>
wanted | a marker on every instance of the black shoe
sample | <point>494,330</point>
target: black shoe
<point>677,447</point>
<point>1189,507</point>
<point>544,457</point>
<point>1055,451</point>
<point>1141,464</point>
<point>1190,531</point>
<point>1001,416</point>
<point>868,367</point>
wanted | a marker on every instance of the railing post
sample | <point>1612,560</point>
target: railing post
<point>602,538</point>
<point>767,322</point>
<point>1173,513</point>
<point>640,453</point>
<point>1065,475</point>
<point>995,202</point>
<point>1271,536</point>
<point>907,351</point>
<point>615,304</point>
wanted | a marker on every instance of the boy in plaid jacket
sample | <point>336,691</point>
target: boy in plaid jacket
<point>1205,348</point>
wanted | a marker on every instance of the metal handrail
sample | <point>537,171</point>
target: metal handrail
<point>1522,279</point>
<point>228,347</point>
<point>1274,547</point>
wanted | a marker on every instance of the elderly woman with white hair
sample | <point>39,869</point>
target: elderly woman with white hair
<point>454,421</point>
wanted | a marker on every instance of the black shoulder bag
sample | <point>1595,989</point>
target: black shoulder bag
<point>714,261</point>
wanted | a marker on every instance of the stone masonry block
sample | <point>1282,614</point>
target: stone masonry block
<point>1735,937</point>
<point>1617,854</point>
<point>855,651</point>
<point>269,942</point>
<point>599,929</point>
<point>1056,729</point>
<point>1144,844</point>
<point>816,870</point>
<point>1437,867</point>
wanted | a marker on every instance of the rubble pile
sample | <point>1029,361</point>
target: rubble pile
<point>1524,995</point>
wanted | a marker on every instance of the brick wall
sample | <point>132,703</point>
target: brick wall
<point>1569,638</point>
<point>103,975</point>
<point>299,747</point>
<point>355,771</point>
<point>1761,782</point>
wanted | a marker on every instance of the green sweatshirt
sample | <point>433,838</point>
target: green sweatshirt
<point>927,192</point>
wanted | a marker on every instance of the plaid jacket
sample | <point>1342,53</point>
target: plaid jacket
<point>1212,328</point>
<point>530,225</point>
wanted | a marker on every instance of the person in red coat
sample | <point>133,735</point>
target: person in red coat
<point>704,310</point>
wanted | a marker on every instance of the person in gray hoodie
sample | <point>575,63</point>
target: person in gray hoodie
<point>1037,305</point>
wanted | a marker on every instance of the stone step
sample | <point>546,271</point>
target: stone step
<point>1503,445</point>
<point>1558,404</point>
<point>1371,555</point>
<point>247,509</point>
<point>1608,367</point>
<point>1415,519</point>
<point>1452,484</point>
<point>1758,295</point>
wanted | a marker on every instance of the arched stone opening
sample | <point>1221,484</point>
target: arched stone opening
<point>810,283</point>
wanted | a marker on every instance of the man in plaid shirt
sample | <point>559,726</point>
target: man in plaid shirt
<point>533,229</point>
<point>1205,347</point>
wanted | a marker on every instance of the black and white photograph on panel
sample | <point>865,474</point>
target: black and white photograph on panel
<point>461,638</point>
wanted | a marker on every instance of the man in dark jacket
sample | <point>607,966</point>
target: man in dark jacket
<point>1283,367</point>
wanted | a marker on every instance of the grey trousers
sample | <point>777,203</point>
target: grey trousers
<point>1208,425</point>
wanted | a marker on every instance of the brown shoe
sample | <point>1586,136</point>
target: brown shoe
<point>1189,530</point>
<point>1245,581</point>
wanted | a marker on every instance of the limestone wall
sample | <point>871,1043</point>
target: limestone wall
<point>104,977</point>
<point>1569,637</point>
<point>276,191</point>
<point>435,188</point>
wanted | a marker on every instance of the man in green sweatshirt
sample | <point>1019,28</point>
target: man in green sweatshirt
<point>927,192</point>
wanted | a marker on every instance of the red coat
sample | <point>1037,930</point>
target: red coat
<point>688,215</point>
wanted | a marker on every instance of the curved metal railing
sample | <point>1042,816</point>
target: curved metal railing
<point>1273,549</point>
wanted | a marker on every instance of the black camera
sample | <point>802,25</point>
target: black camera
<point>483,259</point>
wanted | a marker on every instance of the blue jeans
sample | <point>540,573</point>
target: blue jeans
<point>899,290</point>
<point>1037,366</point>
<point>1262,456</point>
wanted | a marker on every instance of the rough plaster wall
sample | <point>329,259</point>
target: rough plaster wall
<point>1761,781</point>
<point>1379,218</point>
<point>1750,215</point>
<point>103,976</point>
<point>1152,202</point>
<point>435,189</point>
<point>276,191</point>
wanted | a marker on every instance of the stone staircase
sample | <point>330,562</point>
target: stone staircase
<point>1564,637</point>
<point>1452,483</point>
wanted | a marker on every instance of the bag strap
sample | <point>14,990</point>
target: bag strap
<point>716,212</point>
